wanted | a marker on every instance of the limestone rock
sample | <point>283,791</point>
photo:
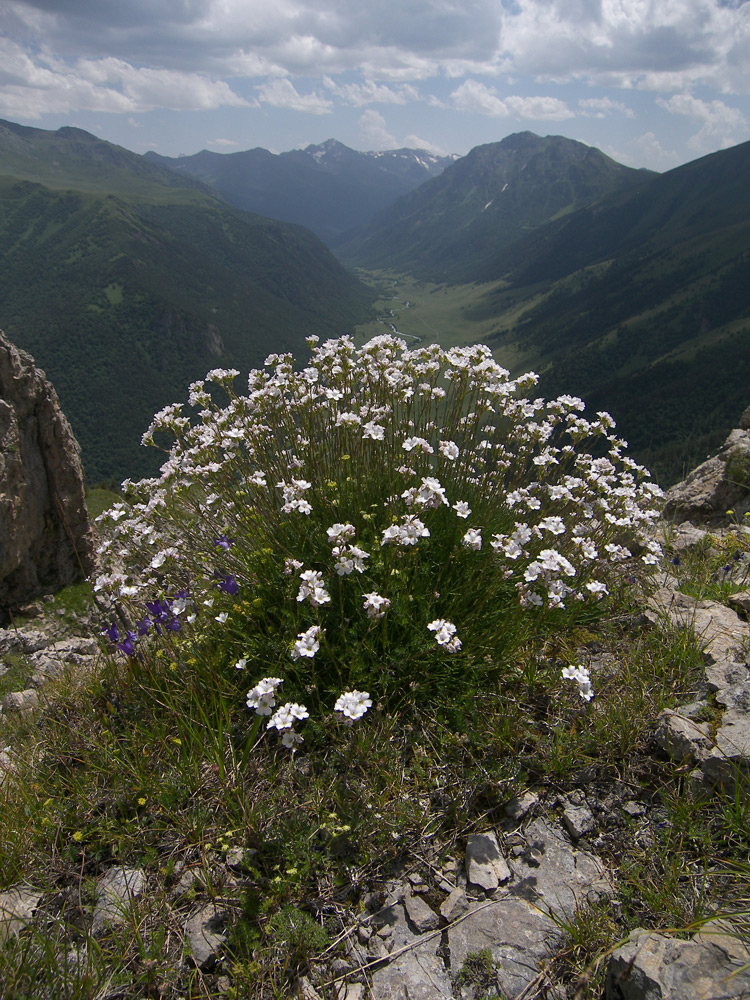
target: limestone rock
<point>651,966</point>
<point>417,971</point>
<point>114,898</point>
<point>518,935</point>
<point>682,738</point>
<point>45,536</point>
<point>20,701</point>
<point>422,916</point>
<point>718,485</point>
<point>204,933</point>
<point>17,907</point>
<point>485,865</point>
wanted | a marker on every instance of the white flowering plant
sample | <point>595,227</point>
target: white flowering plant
<point>386,522</point>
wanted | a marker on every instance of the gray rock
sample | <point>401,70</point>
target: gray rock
<point>204,935</point>
<point>22,640</point>
<point>518,935</point>
<point>20,701</point>
<point>117,890</point>
<point>485,865</point>
<point>454,906</point>
<point>741,600</point>
<point>682,738</point>
<point>686,535</point>
<point>708,491</point>
<point>46,540</point>
<point>17,906</point>
<point>651,966</point>
<point>578,819</point>
<point>520,806</point>
<point>732,751</point>
<point>724,634</point>
<point>554,873</point>
<point>418,972</point>
<point>422,916</point>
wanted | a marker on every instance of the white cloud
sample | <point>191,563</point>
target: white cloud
<point>721,124</point>
<point>282,94</point>
<point>29,88</point>
<point>478,98</point>
<point>374,132</point>
<point>369,92</point>
<point>602,107</point>
<point>417,142</point>
<point>222,142</point>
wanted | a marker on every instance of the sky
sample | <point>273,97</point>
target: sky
<point>652,83</point>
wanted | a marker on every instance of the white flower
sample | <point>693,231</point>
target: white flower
<point>348,419</point>
<point>375,605</point>
<point>445,634</point>
<point>581,676</point>
<point>221,619</point>
<point>555,525</point>
<point>353,704</point>
<point>262,697</point>
<point>290,739</point>
<point>376,432</point>
<point>473,539</point>
<point>418,443</point>
<point>312,588</point>
<point>284,717</point>
<point>462,508</point>
<point>338,532</point>
<point>241,664</point>
<point>307,643</point>
<point>449,449</point>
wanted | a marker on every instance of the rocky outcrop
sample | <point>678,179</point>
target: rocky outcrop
<point>720,484</point>
<point>45,537</point>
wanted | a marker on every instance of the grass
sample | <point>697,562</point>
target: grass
<point>147,766</point>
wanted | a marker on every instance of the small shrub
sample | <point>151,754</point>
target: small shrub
<point>384,520</point>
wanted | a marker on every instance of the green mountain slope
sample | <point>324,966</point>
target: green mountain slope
<point>124,301</point>
<point>641,305</point>
<point>451,227</point>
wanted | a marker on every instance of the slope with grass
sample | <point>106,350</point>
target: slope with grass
<point>639,303</point>
<point>451,227</point>
<point>125,297</point>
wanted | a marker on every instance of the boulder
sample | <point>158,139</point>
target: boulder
<point>652,966</point>
<point>717,485</point>
<point>46,540</point>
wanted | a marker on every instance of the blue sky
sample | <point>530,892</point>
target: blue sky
<point>652,83</point>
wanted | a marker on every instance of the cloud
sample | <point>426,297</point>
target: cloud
<point>478,98</point>
<point>30,88</point>
<point>721,123</point>
<point>373,130</point>
<point>369,92</point>
<point>602,107</point>
<point>417,142</point>
<point>282,94</point>
<point>134,55</point>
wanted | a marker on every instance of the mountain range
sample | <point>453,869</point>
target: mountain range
<point>127,282</point>
<point>628,288</point>
<point>329,188</point>
<point>129,276</point>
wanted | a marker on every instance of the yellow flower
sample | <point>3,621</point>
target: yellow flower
<point>141,802</point>
<point>77,836</point>
<point>177,741</point>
